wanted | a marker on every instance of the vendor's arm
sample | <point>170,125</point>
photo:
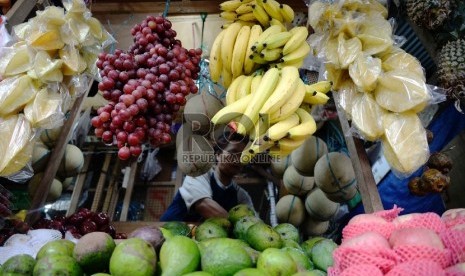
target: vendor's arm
<point>209,208</point>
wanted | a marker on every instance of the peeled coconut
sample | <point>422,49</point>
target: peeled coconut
<point>312,227</point>
<point>306,155</point>
<point>296,183</point>
<point>195,156</point>
<point>279,165</point>
<point>319,207</point>
<point>416,236</point>
<point>199,110</point>
<point>290,208</point>
<point>335,176</point>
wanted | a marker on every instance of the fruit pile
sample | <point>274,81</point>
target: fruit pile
<point>381,87</point>
<point>44,66</point>
<point>145,87</point>
<point>435,178</point>
<point>241,244</point>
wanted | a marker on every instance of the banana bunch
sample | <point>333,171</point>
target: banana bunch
<point>263,12</point>
<point>273,109</point>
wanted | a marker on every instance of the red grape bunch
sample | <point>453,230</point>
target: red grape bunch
<point>145,87</point>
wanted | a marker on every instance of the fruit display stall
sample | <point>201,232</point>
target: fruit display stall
<point>149,94</point>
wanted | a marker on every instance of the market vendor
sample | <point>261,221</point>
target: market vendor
<point>215,192</point>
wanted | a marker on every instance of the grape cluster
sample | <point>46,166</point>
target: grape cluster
<point>145,87</point>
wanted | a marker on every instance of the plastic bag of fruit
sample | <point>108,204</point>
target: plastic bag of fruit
<point>16,59</point>
<point>44,111</point>
<point>15,93</point>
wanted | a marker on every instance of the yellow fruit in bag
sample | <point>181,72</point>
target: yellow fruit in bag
<point>348,24</point>
<point>336,75</point>
<point>52,14</point>
<point>15,60</point>
<point>346,96</point>
<point>96,28</point>
<point>400,91</point>
<point>19,161</point>
<point>70,57</point>
<point>375,34</point>
<point>404,142</point>
<point>45,110</point>
<point>365,71</point>
<point>348,50</point>
<point>20,31</point>
<point>74,6</point>
<point>15,93</point>
<point>367,116</point>
<point>47,39</point>
<point>364,6</point>
<point>75,30</point>
<point>90,58</point>
<point>15,134</point>
<point>317,12</point>
<point>47,69</point>
<point>397,59</point>
<point>331,52</point>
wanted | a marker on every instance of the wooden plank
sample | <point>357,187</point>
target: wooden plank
<point>55,157</point>
<point>111,187</point>
<point>101,183</point>
<point>78,187</point>
<point>366,183</point>
<point>19,12</point>
<point>129,188</point>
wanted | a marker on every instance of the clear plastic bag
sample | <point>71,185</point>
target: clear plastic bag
<point>44,111</point>
<point>397,59</point>
<point>15,59</point>
<point>375,34</point>
<point>80,131</point>
<point>346,95</point>
<point>47,69</point>
<point>151,166</point>
<point>365,71</point>
<point>348,50</point>
<point>4,35</point>
<point>15,93</point>
<point>367,116</point>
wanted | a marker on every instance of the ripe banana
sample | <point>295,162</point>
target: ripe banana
<point>280,65</point>
<point>227,44</point>
<point>272,54</point>
<point>245,8</point>
<point>255,83</point>
<point>315,97</point>
<point>276,153</point>
<point>298,54</point>
<point>255,32</point>
<point>272,8</point>
<point>287,12</point>
<point>261,15</point>
<point>239,51</point>
<point>246,23</point>
<point>244,87</point>
<point>226,76</point>
<point>228,15</point>
<point>247,17</point>
<point>258,45</point>
<point>266,87</point>
<point>275,21</point>
<point>260,128</point>
<point>299,36</point>
<point>230,5</point>
<point>284,90</point>
<point>231,93</point>
<point>280,129</point>
<point>290,106</point>
<point>276,40</point>
<point>215,62</point>
<point>225,25</point>
<point>306,127</point>
<point>288,144</point>
<point>258,58</point>
<point>232,111</point>
<point>321,86</point>
<point>260,145</point>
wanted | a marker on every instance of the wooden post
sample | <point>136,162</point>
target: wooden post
<point>129,185</point>
<point>101,182</point>
<point>19,12</point>
<point>78,187</point>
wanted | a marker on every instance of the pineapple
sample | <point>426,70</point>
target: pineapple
<point>451,68</point>
<point>429,14</point>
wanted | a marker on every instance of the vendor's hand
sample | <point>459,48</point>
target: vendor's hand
<point>209,208</point>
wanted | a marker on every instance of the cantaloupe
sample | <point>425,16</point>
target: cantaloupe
<point>50,136</point>
<point>312,227</point>
<point>195,156</point>
<point>279,165</point>
<point>67,182</point>
<point>335,176</point>
<point>55,189</point>
<point>296,183</point>
<point>290,209</point>
<point>305,156</point>
<point>200,109</point>
<point>72,162</point>
<point>40,157</point>
<point>319,207</point>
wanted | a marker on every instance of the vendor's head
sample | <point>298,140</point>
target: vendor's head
<point>228,152</point>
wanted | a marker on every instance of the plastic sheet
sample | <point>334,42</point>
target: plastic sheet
<point>367,117</point>
<point>346,95</point>
<point>397,59</point>
<point>15,93</point>
<point>404,143</point>
<point>15,60</point>
<point>365,71</point>
<point>44,111</point>
<point>151,166</point>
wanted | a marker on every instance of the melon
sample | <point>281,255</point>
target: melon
<point>55,189</point>
<point>335,176</point>
<point>296,183</point>
<point>279,165</point>
<point>72,162</point>
<point>67,182</point>
<point>312,227</point>
<point>306,155</point>
<point>195,156</point>
<point>290,209</point>
<point>199,110</point>
<point>40,156</point>
<point>50,136</point>
<point>319,207</point>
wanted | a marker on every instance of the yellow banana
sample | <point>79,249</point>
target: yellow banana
<point>230,5</point>
<point>239,51</point>
<point>298,54</point>
<point>215,62</point>
<point>227,44</point>
<point>231,93</point>
<point>260,128</point>
<point>315,97</point>
<point>276,153</point>
<point>256,147</point>
<point>306,127</point>
<point>255,32</point>
<point>264,90</point>
<point>247,17</point>
<point>287,84</point>
<point>275,21</point>
<point>287,12</point>
<point>280,129</point>
<point>258,58</point>
<point>272,9</point>
<point>226,76</point>
<point>297,64</point>
<point>245,8</point>
<point>258,45</point>
<point>276,40</point>
<point>226,25</point>
<point>290,106</point>
<point>229,112</point>
<point>288,144</point>
<point>261,15</point>
<point>272,54</point>
<point>321,86</point>
<point>244,87</point>
<point>245,23</point>
<point>228,15</point>
<point>255,83</point>
<point>299,36</point>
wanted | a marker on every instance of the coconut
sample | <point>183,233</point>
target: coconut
<point>296,183</point>
<point>306,155</point>
<point>290,208</point>
<point>195,156</point>
<point>199,110</point>
<point>319,207</point>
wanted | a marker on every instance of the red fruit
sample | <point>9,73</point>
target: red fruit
<point>101,219</point>
<point>57,225</point>
<point>85,212</point>
<point>70,228</point>
<point>59,218</point>
<point>87,227</point>
<point>121,236</point>
<point>109,229</point>
<point>22,227</point>
<point>75,219</point>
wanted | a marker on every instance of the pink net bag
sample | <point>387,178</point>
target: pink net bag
<point>417,268</point>
<point>332,271</point>
<point>389,215</point>
<point>354,230</point>
<point>453,217</point>
<point>407,253</point>
<point>456,270</point>
<point>455,241</point>
<point>429,220</point>
<point>365,269</point>
<point>383,259</point>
